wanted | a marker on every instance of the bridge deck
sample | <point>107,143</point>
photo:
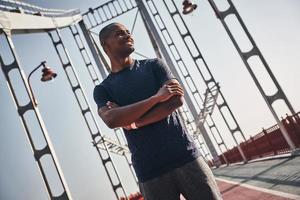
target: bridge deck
<point>277,178</point>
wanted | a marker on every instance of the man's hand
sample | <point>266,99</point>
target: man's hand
<point>111,105</point>
<point>163,109</point>
<point>128,127</point>
<point>169,90</point>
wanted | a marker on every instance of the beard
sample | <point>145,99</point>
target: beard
<point>127,51</point>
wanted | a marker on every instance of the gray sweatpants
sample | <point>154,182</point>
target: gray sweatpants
<point>194,181</point>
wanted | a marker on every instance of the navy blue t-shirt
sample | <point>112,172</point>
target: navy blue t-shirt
<point>157,147</point>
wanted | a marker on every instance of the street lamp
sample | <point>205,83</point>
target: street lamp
<point>47,75</point>
<point>188,7</point>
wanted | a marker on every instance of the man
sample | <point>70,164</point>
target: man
<point>142,97</point>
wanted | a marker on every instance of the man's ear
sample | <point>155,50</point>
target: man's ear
<point>104,47</point>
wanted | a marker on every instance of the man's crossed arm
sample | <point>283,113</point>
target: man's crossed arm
<point>160,111</point>
<point>165,101</point>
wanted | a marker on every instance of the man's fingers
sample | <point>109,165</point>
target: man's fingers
<point>173,83</point>
<point>174,86</point>
<point>128,127</point>
<point>177,91</point>
<point>111,105</point>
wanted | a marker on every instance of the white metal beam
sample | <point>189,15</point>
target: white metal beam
<point>28,23</point>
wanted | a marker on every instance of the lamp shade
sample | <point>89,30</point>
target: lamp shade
<point>188,7</point>
<point>48,74</point>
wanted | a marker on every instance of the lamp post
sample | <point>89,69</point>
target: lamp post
<point>47,75</point>
<point>188,7</point>
<point>57,188</point>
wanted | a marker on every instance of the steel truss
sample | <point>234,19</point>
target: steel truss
<point>188,122</point>
<point>98,139</point>
<point>209,81</point>
<point>187,77</point>
<point>209,103</point>
<point>255,52</point>
<point>159,43</point>
<point>11,12</point>
<point>107,11</point>
<point>63,20</point>
<point>114,146</point>
<point>47,152</point>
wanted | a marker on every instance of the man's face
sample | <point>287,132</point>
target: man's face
<point>119,41</point>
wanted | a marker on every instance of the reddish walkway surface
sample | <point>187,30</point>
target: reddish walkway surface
<point>231,191</point>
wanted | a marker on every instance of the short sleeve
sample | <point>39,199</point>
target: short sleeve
<point>101,96</point>
<point>162,72</point>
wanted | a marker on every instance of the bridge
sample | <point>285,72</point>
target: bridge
<point>54,146</point>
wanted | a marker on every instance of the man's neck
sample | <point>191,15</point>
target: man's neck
<point>120,64</point>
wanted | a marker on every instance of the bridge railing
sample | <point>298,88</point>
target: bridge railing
<point>22,7</point>
<point>269,142</point>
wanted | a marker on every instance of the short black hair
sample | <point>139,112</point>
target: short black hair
<point>105,31</point>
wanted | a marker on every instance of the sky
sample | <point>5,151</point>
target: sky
<point>274,25</point>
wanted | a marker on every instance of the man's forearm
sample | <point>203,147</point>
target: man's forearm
<point>160,111</point>
<point>125,115</point>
